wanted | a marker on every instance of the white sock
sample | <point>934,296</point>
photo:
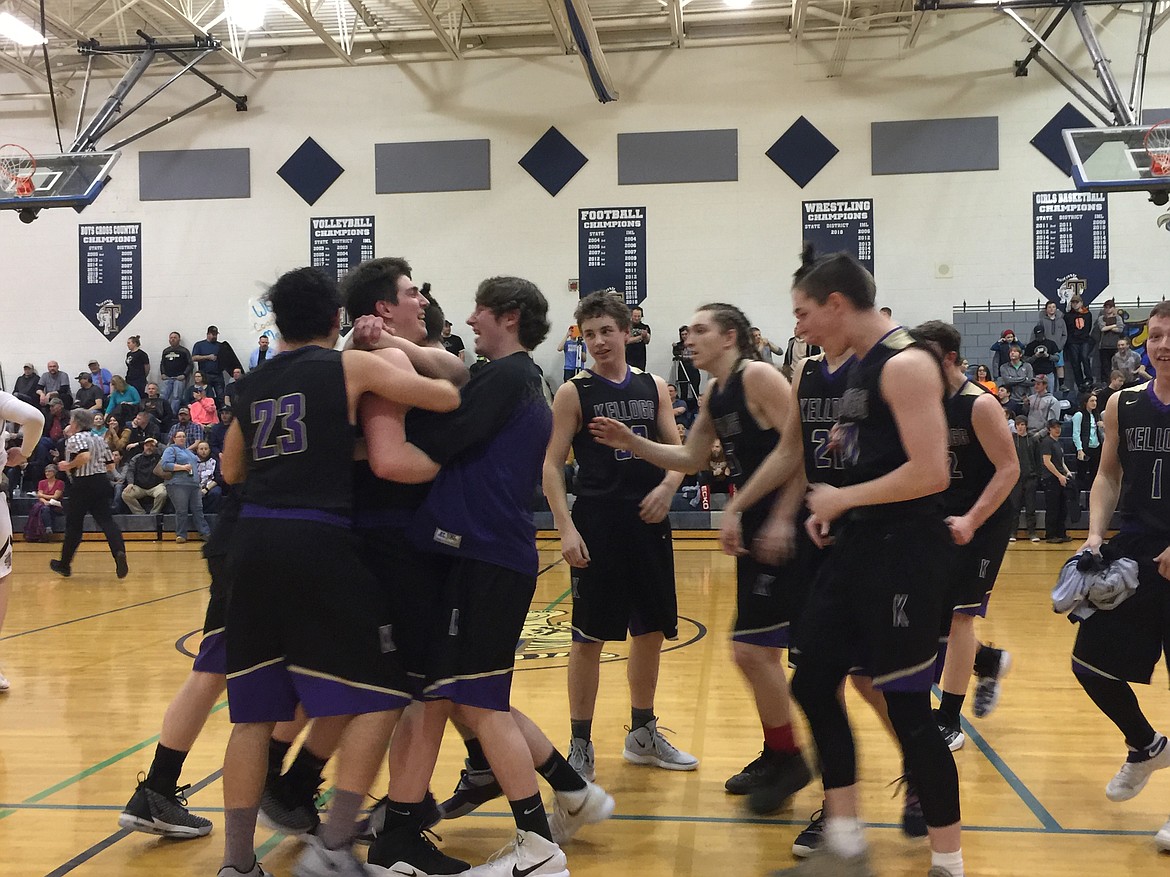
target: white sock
<point>844,836</point>
<point>953,862</point>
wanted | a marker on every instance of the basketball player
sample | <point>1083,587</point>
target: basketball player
<point>617,539</point>
<point>981,518</point>
<point>32,423</point>
<point>745,403</point>
<point>1122,645</point>
<point>869,606</point>
<point>302,622</point>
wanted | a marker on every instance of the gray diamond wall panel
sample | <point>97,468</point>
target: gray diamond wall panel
<point>935,146</point>
<point>194,174</point>
<point>432,166</point>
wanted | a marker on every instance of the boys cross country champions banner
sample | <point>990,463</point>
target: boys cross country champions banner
<point>110,282</point>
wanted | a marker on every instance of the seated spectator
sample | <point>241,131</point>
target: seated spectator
<point>1042,407</point>
<point>118,473</point>
<point>983,378</point>
<point>682,414</point>
<point>1087,434</point>
<point>142,482</point>
<point>100,424</point>
<point>102,379</point>
<point>54,381</point>
<point>192,430</point>
<point>25,388</point>
<point>1001,349</point>
<point>183,487</point>
<point>124,399</point>
<point>217,433</point>
<point>210,479</point>
<point>198,382</point>
<point>50,493</point>
<point>1016,375</point>
<point>141,430</point>
<point>1116,382</point>
<point>229,390</point>
<point>157,407</point>
<point>116,435</point>
<point>57,420</point>
<point>202,408</point>
<point>89,396</point>
<point>1129,363</point>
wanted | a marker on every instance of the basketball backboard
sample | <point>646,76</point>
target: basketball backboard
<point>1113,160</point>
<point>62,180</point>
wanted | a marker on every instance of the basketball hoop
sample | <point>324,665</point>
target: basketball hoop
<point>1157,143</point>
<point>17,166</point>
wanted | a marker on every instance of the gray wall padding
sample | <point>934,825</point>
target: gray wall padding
<point>432,166</point>
<point>678,157</point>
<point>935,146</point>
<point>190,174</point>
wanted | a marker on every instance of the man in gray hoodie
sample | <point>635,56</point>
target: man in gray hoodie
<point>1055,331</point>
<point>1042,407</point>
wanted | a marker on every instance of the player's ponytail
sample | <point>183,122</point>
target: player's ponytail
<point>820,276</point>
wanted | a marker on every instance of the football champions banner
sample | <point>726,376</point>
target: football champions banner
<point>339,243</point>
<point>611,251</point>
<point>110,281</point>
<point>1070,245</point>
<point>844,225</point>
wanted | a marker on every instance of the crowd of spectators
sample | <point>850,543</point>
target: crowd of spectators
<point>165,436</point>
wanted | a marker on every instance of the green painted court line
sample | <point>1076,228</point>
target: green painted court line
<point>554,603</point>
<point>90,771</point>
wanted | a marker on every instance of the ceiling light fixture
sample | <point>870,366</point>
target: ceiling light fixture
<point>247,14</point>
<point>737,4</point>
<point>19,32</point>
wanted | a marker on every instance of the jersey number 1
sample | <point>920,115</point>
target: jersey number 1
<point>291,439</point>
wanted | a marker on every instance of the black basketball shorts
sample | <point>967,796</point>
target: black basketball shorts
<point>212,657</point>
<point>976,566</point>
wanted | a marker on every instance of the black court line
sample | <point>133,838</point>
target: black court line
<point>100,614</point>
<point>103,845</point>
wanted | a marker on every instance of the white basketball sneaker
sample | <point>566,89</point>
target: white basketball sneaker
<point>1138,768</point>
<point>646,745</point>
<point>529,855</point>
<point>572,811</point>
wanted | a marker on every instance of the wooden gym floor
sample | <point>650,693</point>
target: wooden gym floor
<point>94,661</point>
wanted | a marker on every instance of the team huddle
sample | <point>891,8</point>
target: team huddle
<point>373,570</point>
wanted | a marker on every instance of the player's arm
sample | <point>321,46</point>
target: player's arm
<point>1106,488</point>
<point>566,413</point>
<point>32,424</point>
<point>997,443</point>
<point>912,386</point>
<point>390,455</point>
<point>689,458</point>
<point>233,461</point>
<point>655,505</point>
<point>367,373</point>
<point>369,333</point>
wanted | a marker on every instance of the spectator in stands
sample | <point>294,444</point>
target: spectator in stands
<point>1000,350</point>
<point>137,364</point>
<point>199,380</point>
<point>229,390</point>
<point>1116,382</point>
<point>57,420</point>
<point>796,350</point>
<point>89,395</point>
<point>1054,478</point>
<point>142,481</point>
<point>1042,407</point>
<point>764,347</point>
<point>157,407</point>
<point>681,412</point>
<point>1011,407</point>
<point>573,347</point>
<point>183,487</point>
<point>54,381</point>
<point>175,368</point>
<point>124,399</point>
<point>1024,495</point>
<point>101,376</point>
<point>100,426</point>
<point>1040,354</point>
<point>983,378</point>
<point>118,473</point>
<point>192,430</point>
<point>1087,434</point>
<point>209,477</point>
<point>1055,331</point>
<point>50,493</point>
<point>205,355</point>
<point>202,408</point>
<point>1016,375</point>
<point>1107,331</point>
<point>260,354</point>
<point>1078,350</point>
<point>25,387</point>
<point>140,432</point>
<point>1129,364</point>
<point>638,340</point>
<point>686,376</point>
<point>452,343</point>
<point>116,435</point>
<point>218,432</point>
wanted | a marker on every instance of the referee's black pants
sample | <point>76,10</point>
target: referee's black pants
<point>90,494</point>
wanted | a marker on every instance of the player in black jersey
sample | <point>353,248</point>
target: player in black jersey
<point>1122,645</point>
<point>302,622</point>
<point>878,597</point>
<point>617,539</point>
<point>981,518</point>
<point>743,407</point>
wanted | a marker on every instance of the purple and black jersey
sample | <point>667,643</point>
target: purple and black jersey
<point>819,397</point>
<point>971,468</point>
<point>1143,433</point>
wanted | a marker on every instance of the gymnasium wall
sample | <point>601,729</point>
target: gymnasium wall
<point>940,238</point>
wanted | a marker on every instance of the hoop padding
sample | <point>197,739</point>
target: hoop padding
<point>17,166</point>
<point>1157,143</point>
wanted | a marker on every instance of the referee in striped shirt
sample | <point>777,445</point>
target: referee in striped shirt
<point>86,460</point>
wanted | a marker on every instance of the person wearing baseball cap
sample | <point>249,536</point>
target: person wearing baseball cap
<point>25,387</point>
<point>101,376</point>
<point>999,350</point>
<point>1108,329</point>
<point>88,394</point>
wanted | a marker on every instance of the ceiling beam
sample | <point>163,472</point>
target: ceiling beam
<point>560,28</point>
<point>437,26</point>
<point>171,11</point>
<point>677,31</point>
<point>303,13</point>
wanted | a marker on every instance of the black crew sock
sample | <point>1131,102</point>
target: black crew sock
<point>277,750</point>
<point>305,771</point>
<point>640,718</point>
<point>582,729</point>
<point>530,816</point>
<point>560,774</point>
<point>400,814</point>
<point>949,708</point>
<point>165,769</point>
<point>476,760</point>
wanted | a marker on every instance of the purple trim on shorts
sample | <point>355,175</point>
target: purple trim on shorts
<point>335,697</point>
<point>251,510</point>
<point>212,657</point>
<point>979,611</point>
<point>398,519</point>
<point>920,681</point>
<point>772,639</point>
<point>266,694</point>
<point>579,637</point>
<point>486,692</point>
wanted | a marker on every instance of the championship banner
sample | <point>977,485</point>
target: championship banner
<point>611,251</point>
<point>836,226</point>
<point>339,243</point>
<point>1070,244</point>
<point>110,282</point>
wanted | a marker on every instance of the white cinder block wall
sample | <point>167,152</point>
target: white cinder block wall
<point>204,260</point>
